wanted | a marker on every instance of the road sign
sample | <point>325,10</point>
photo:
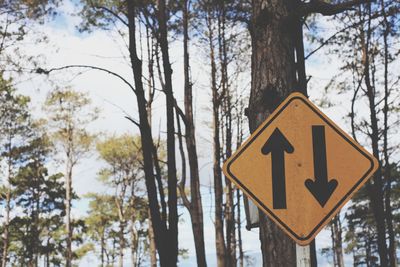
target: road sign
<point>300,168</point>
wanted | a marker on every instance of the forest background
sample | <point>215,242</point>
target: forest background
<point>105,166</point>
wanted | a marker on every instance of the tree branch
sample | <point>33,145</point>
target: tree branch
<point>47,72</point>
<point>133,121</point>
<point>180,113</point>
<point>328,9</point>
<point>112,13</point>
<point>354,25</point>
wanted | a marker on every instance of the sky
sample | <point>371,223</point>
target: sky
<point>104,49</point>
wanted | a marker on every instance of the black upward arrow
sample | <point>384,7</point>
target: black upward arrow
<point>320,188</point>
<point>277,145</point>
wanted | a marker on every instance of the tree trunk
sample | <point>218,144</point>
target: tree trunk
<point>196,207</point>
<point>159,226</point>
<point>171,157</point>
<point>134,246</point>
<point>35,226</point>
<point>274,39</point>
<point>152,247</point>
<point>229,211</point>
<point>68,188</point>
<point>239,229</point>
<point>387,168</point>
<point>6,237</point>
<point>375,189</point>
<point>218,190</point>
<point>6,229</point>
<point>102,248</point>
<point>121,243</point>
<point>48,254</point>
<point>337,243</point>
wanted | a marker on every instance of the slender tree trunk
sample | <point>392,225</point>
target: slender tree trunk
<point>226,113</point>
<point>218,189</point>
<point>6,229</point>
<point>375,189</point>
<point>337,243</point>
<point>48,254</point>
<point>171,157</point>
<point>239,229</point>
<point>159,226</point>
<point>121,243</point>
<point>36,226</point>
<point>68,188</point>
<point>102,248</point>
<point>387,167</point>
<point>196,207</point>
<point>239,139</point>
<point>152,248</point>
<point>6,237</point>
<point>273,79</point>
<point>134,246</point>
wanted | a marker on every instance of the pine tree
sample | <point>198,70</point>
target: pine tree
<point>41,198</point>
<point>69,114</point>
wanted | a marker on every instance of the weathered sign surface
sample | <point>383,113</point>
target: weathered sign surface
<point>300,168</point>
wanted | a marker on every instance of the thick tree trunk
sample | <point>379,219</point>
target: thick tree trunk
<point>274,38</point>
<point>196,207</point>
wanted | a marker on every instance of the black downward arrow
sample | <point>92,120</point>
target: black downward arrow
<point>277,145</point>
<point>320,188</point>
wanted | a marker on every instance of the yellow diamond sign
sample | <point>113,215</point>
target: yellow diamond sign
<point>300,168</point>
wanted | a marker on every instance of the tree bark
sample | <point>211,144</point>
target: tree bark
<point>159,226</point>
<point>102,248</point>
<point>337,243</point>
<point>274,37</point>
<point>134,246</point>
<point>375,189</point>
<point>218,190</point>
<point>152,247</point>
<point>229,212</point>
<point>387,167</point>
<point>6,229</point>
<point>171,157</point>
<point>196,207</point>
<point>239,229</point>
<point>68,188</point>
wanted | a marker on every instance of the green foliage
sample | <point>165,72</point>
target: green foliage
<point>123,157</point>
<point>17,19</point>
<point>69,114</point>
<point>40,197</point>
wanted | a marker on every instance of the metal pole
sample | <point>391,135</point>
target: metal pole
<point>303,256</point>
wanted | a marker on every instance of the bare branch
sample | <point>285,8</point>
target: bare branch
<point>328,9</point>
<point>335,35</point>
<point>181,184</point>
<point>113,13</point>
<point>47,72</point>
<point>180,113</point>
<point>133,121</point>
